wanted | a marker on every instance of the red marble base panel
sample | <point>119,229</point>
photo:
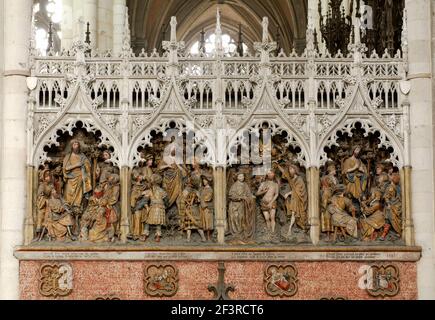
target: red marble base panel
<point>125,280</point>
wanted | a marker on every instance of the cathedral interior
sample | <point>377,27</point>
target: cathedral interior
<point>283,146</point>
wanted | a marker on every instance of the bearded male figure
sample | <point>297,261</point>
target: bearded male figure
<point>77,176</point>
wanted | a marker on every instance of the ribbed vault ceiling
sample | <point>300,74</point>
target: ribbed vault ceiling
<point>150,20</point>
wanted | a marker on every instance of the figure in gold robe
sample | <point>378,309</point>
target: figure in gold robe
<point>59,221</point>
<point>94,217</point>
<point>141,181</point>
<point>241,211</point>
<point>343,212</point>
<point>296,199</point>
<point>328,185</point>
<point>355,174</point>
<point>43,197</point>
<point>103,213</point>
<point>77,176</point>
<point>207,207</point>
<point>173,175</point>
<point>393,210</point>
<point>373,216</point>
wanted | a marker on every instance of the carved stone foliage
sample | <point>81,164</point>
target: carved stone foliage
<point>384,281</point>
<point>56,280</point>
<point>268,203</point>
<point>78,191</point>
<point>361,192</point>
<point>161,281</point>
<point>221,290</point>
<point>281,281</point>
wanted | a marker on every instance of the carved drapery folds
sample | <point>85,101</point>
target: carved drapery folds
<point>186,150</point>
<point>78,190</point>
<point>361,190</point>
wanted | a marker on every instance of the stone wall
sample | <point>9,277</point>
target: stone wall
<point>125,280</point>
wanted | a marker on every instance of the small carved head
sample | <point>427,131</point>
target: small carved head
<point>376,194</point>
<point>380,168</point>
<point>114,179</point>
<point>156,179</point>
<point>106,155</point>
<point>271,175</point>
<point>46,175</point>
<point>75,146</point>
<point>395,178</point>
<point>332,169</point>
<point>54,193</point>
<point>340,190</point>
<point>241,177</point>
<point>293,170</point>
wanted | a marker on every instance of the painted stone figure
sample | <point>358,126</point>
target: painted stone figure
<point>355,173</point>
<point>373,216</point>
<point>207,207</point>
<point>156,216</point>
<point>393,209</point>
<point>328,185</point>
<point>382,179</point>
<point>141,181</point>
<point>173,175</point>
<point>296,199</point>
<point>77,175</point>
<point>241,211</point>
<point>43,197</point>
<point>269,189</point>
<point>343,212</point>
<point>111,207</point>
<point>94,217</point>
<point>59,220</point>
<point>192,216</point>
<point>105,168</point>
<point>99,222</point>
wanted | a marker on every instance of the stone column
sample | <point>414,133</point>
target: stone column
<point>314,204</point>
<point>119,7</point>
<point>220,202</point>
<point>17,18</point>
<point>67,24</point>
<point>1,95</point>
<point>90,14</point>
<point>408,224</point>
<point>125,203</point>
<point>105,30</point>
<point>422,141</point>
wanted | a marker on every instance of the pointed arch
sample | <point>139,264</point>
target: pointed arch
<point>171,110</point>
<point>359,108</point>
<point>78,108</point>
<point>266,109</point>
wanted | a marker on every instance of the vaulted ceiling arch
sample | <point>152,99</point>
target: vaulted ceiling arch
<point>150,20</point>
